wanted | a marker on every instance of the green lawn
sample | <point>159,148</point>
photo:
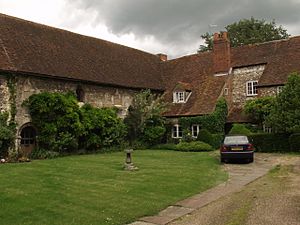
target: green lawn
<point>94,189</point>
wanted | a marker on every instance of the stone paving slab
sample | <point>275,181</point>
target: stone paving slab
<point>141,223</point>
<point>167,215</point>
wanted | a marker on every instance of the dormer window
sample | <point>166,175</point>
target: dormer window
<point>181,96</point>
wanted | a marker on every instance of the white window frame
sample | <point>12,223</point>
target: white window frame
<point>251,88</point>
<point>279,89</point>
<point>267,129</point>
<point>179,97</point>
<point>197,127</point>
<point>177,131</point>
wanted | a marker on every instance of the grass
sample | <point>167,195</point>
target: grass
<point>94,189</point>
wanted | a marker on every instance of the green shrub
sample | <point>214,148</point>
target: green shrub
<point>212,139</point>
<point>187,136</point>
<point>57,118</point>
<point>153,134</point>
<point>102,128</point>
<point>6,134</point>
<point>294,141</point>
<point>270,142</point>
<point>195,146</point>
<point>239,129</point>
<point>217,140</point>
<point>205,136</point>
<point>64,127</point>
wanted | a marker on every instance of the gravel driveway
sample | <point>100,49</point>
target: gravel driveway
<point>247,198</point>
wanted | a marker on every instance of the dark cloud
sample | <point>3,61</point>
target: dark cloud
<point>178,22</point>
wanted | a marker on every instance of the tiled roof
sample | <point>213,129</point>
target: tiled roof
<point>196,70</point>
<point>42,50</point>
<point>280,57</point>
<point>45,51</point>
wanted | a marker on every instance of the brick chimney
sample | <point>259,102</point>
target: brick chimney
<point>221,53</point>
<point>162,57</point>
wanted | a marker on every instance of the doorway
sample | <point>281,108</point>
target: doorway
<point>28,140</point>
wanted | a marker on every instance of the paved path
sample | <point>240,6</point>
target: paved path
<point>239,176</point>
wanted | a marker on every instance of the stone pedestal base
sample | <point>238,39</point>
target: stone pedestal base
<point>130,167</point>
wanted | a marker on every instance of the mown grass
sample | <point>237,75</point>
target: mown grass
<point>94,189</point>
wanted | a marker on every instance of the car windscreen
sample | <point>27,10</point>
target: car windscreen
<point>236,140</point>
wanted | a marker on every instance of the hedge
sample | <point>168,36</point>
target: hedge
<point>195,146</point>
<point>294,140</point>
<point>271,142</point>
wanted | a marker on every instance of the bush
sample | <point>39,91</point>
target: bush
<point>64,127</point>
<point>214,140</point>
<point>195,146</point>
<point>294,141</point>
<point>102,128</point>
<point>57,118</point>
<point>153,134</point>
<point>6,135</point>
<point>270,142</point>
<point>239,129</point>
<point>217,140</point>
<point>205,136</point>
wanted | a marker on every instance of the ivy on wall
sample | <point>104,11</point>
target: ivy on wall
<point>7,119</point>
<point>214,122</point>
<point>65,127</point>
<point>11,83</point>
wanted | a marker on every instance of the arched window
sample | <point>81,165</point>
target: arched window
<point>28,135</point>
<point>28,140</point>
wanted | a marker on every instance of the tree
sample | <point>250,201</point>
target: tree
<point>145,121</point>
<point>259,109</point>
<point>285,115</point>
<point>248,31</point>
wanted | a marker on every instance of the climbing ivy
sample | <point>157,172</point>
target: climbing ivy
<point>214,122</point>
<point>11,83</point>
<point>7,119</point>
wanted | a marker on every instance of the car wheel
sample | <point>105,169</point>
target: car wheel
<point>222,160</point>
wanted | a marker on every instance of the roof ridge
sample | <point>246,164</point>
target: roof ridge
<point>267,42</point>
<point>41,25</point>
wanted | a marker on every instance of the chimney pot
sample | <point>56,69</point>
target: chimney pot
<point>162,57</point>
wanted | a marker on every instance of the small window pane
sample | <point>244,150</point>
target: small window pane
<point>179,131</point>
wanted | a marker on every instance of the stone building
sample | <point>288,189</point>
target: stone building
<point>35,58</point>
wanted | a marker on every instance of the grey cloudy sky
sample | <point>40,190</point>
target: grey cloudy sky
<point>173,27</point>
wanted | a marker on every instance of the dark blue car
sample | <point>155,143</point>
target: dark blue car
<point>236,147</point>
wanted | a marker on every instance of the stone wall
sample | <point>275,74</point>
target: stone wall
<point>268,91</point>
<point>240,76</point>
<point>99,96</point>
<point>4,95</point>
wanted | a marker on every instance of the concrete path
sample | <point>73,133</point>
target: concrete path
<point>239,176</point>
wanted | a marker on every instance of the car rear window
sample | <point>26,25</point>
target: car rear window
<point>236,140</point>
